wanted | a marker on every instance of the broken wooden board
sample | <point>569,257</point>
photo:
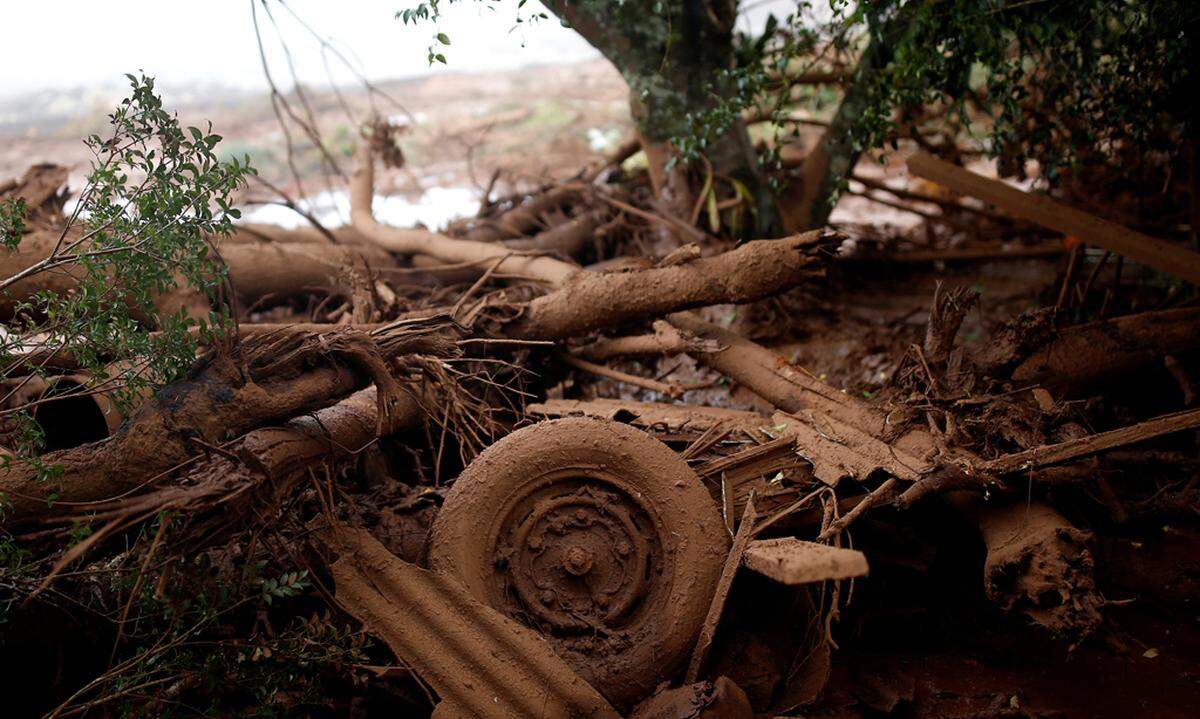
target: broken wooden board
<point>1152,252</point>
<point>753,470</point>
<point>1049,454</point>
<point>793,561</point>
<point>707,632</point>
<point>480,663</point>
<point>647,414</point>
<point>839,450</point>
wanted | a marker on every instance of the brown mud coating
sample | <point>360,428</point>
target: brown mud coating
<point>480,663</point>
<point>1021,484</point>
<point>597,535</point>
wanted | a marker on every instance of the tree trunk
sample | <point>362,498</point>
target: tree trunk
<point>671,57</point>
<point>808,199</point>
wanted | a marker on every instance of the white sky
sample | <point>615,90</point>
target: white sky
<point>60,44</point>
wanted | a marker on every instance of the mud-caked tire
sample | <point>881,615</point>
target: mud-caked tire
<point>595,534</point>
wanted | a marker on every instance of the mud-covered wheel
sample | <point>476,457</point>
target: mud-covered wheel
<point>596,535</point>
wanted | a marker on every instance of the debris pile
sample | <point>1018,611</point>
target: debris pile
<point>552,475</point>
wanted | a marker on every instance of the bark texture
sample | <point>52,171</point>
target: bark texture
<point>671,54</point>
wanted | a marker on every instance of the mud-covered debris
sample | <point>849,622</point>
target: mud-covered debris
<point>1083,357</point>
<point>788,560</point>
<point>720,699</point>
<point>651,415</point>
<point>1040,566</point>
<point>597,535</point>
<point>1150,251</point>
<point>480,662</point>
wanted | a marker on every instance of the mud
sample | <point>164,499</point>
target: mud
<point>595,534</point>
<point>577,531</point>
<point>480,663</point>
<point>720,699</point>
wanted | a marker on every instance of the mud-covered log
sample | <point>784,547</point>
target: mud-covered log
<point>178,423</point>
<point>751,272</point>
<point>257,269</point>
<point>278,376</point>
<point>1083,357</point>
<point>273,269</point>
<point>262,467</point>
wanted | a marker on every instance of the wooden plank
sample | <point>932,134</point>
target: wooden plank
<point>793,561</point>
<point>1149,251</point>
<point>713,618</point>
<point>1083,446</point>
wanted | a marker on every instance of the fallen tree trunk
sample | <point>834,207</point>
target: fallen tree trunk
<point>178,423</point>
<point>264,466</point>
<point>1082,357</point>
<point>257,269</point>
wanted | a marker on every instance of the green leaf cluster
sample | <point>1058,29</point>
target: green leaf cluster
<point>156,197</point>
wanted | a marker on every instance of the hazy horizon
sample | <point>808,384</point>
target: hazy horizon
<point>93,45</point>
<point>185,44</point>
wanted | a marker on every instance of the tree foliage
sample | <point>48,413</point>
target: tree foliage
<point>1037,79</point>
<point>1047,78</point>
<point>155,198</point>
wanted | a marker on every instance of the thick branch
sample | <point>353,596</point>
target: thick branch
<point>753,271</point>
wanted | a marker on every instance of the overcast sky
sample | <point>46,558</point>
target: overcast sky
<point>60,44</point>
<point>53,44</point>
